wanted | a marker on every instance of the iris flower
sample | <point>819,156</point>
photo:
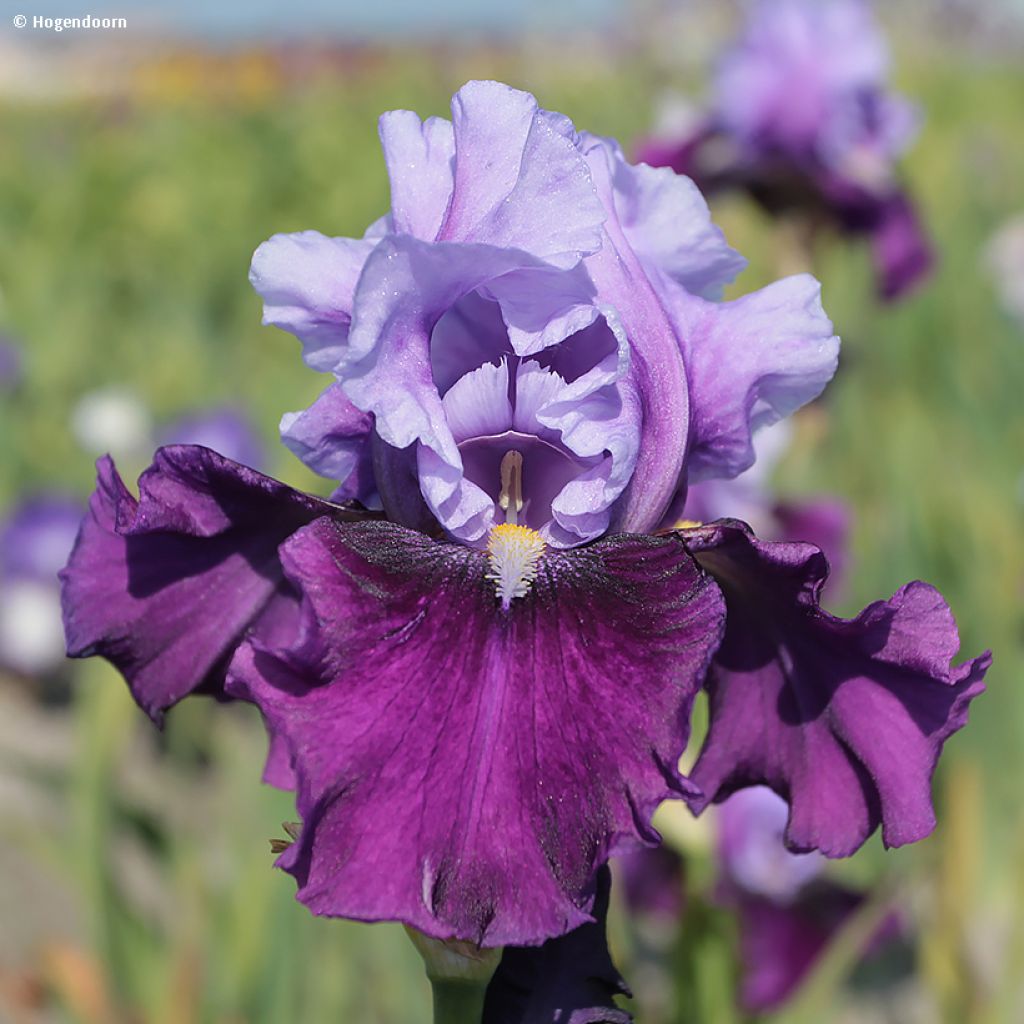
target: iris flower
<point>477,661</point>
<point>802,119</point>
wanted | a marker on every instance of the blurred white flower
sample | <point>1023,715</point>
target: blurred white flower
<point>111,420</point>
<point>1004,257</point>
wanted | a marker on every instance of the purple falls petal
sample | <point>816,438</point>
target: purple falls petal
<point>467,770</point>
<point>844,718</point>
<point>165,587</point>
<point>568,980</point>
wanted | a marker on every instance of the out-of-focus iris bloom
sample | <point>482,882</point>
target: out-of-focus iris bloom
<point>802,119</point>
<point>788,913</point>
<point>484,690</point>
<point>10,364</point>
<point>36,538</point>
<point>226,431</point>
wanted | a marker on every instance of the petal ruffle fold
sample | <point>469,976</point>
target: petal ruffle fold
<point>844,718</point>
<point>749,363</point>
<point>166,586</point>
<point>307,282</point>
<point>467,770</point>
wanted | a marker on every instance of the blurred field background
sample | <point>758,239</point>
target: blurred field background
<point>138,174</point>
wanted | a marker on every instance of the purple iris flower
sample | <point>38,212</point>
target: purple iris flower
<point>787,912</point>
<point>801,118</point>
<point>35,540</point>
<point>484,691</point>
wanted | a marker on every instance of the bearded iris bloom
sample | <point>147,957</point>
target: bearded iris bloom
<point>801,118</point>
<point>477,661</point>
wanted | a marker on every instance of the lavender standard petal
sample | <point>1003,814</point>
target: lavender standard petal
<point>845,718</point>
<point>333,438</point>
<point>749,363</point>
<point>463,769</point>
<point>307,282</point>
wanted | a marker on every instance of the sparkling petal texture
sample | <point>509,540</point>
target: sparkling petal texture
<point>165,587</point>
<point>465,769</point>
<point>568,980</point>
<point>844,718</point>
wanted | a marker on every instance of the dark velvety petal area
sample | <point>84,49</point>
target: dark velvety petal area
<point>845,718</point>
<point>166,586</point>
<point>466,769</point>
<point>568,980</point>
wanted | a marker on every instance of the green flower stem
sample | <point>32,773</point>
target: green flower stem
<point>458,1002</point>
<point>459,974</point>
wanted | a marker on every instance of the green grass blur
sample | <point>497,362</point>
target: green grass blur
<point>127,229</point>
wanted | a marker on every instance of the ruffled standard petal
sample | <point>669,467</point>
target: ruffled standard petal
<point>464,769</point>
<point>568,980</point>
<point>165,587</point>
<point>844,718</point>
<point>332,437</point>
<point>420,158</point>
<point>750,362</point>
<point>307,282</point>
<point>669,225</point>
<point>520,179</point>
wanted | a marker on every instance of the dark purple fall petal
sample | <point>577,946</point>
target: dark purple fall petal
<point>843,718</point>
<point>568,980</point>
<point>467,770</point>
<point>165,587</point>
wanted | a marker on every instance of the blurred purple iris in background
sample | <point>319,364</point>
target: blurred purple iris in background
<point>226,431</point>
<point>802,119</point>
<point>10,364</point>
<point>482,690</point>
<point>36,538</point>
<point>788,913</point>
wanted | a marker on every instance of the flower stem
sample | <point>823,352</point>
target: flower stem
<point>458,1002</point>
<point>459,973</point>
